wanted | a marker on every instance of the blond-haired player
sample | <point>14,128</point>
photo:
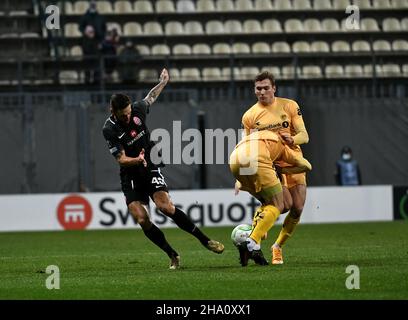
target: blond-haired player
<point>252,164</point>
<point>284,117</point>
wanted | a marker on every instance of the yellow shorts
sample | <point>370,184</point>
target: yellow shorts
<point>262,181</point>
<point>291,180</point>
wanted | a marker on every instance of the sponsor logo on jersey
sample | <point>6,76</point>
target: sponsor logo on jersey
<point>133,133</point>
<point>141,134</point>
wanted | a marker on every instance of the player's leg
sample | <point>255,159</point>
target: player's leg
<point>298,197</point>
<point>152,232</point>
<point>166,206</point>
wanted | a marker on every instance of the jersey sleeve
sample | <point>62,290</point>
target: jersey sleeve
<point>246,124</point>
<point>114,145</point>
<point>301,136</point>
<point>141,109</point>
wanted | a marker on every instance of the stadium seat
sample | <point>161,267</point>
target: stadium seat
<point>280,47</point>
<point>153,28</point>
<point>244,5</point>
<point>404,24</point>
<point>248,73</point>
<point>341,4</point>
<point>282,5</point>
<point>143,49</point>
<point>334,71</point>
<point>288,72</point>
<point>381,45</point>
<point>271,26</point>
<point>17,13</point>
<point>405,70</point>
<point>369,24</point>
<point>330,25</point>
<point>104,7</point>
<point>160,49</point>
<point>181,49</point>
<point>233,26</point>
<point>211,74</point>
<point>76,51</point>
<point>311,72</point>
<point>391,24</point>
<point>201,48</point>
<point>302,5</point>
<point>72,30</point>
<point>322,5</point>
<point>312,25</point>
<point>361,45</point>
<point>391,70</point>
<point>369,70</point>
<point>319,46</point>
<point>300,46</point>
<point>132,29</point>
<point>173,28</point>
<point>221,48</point>
<point>241,48</point>
<point>190,74</point>
<point>185,6</point>
<point>227,75</point>
<point>362,4</point>
<point>224,5</point>
<point>69,8</point>
<point>399,4</point>
<point>193,27</point>
<point>143,6</point>
<point>293,25</point>
<point>261,47</point>
<point>80,7</point>
<point>252,26</point>
<point>382,4</point>
<point>68,77</point>
<point>148,75</point>
<point>114,25</point>
<point>263,5</point>
<point>214,27</point>
<point>340,46</point>
<point>400,45</point>
<point>122,7</point>
<point>165,6</point>
<point>353,70</point>
<point>29,35</point>
<point>174,74</point>
<point>205,6</point>
<point>272,69</point>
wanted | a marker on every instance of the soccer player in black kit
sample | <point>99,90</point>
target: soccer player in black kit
<point>129,142</point>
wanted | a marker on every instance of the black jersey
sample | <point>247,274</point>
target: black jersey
<point>131,138</point>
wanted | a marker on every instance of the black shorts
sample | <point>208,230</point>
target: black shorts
<point>141,187</point>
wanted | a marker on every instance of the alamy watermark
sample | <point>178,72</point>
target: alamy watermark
<point>353,280</point>
<point>52,22</point>
<point>53,280</point>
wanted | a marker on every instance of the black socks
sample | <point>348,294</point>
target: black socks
<point>157,237</point>
<point>184,223</point>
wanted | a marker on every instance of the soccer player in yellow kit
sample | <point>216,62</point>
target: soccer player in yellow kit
<point>252,164</point>
<point>284,117</point>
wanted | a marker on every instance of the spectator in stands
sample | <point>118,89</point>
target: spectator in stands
<point>93,18</point>
<point>108,50</point>
<point>129,60</point>
<point>90,49</point>
<point>347,169</point>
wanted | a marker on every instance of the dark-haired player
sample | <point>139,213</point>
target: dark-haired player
<point>129,142</point>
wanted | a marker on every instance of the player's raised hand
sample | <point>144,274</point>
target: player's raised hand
<point>142,158</point>
<point>164,76</point>
<point>287,138</point>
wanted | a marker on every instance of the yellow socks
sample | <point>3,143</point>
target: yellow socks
<point>288,227</point>
<point>263,220</point>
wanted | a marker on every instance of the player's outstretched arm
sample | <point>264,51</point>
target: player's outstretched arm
<point>155,92</point>
<point>126,161</point>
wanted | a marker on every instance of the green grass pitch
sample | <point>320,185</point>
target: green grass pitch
<point>123,264</point>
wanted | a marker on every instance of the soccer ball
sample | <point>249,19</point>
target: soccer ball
<point>240,233</point>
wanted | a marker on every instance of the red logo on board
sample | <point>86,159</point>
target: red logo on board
<point>74,212</point>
